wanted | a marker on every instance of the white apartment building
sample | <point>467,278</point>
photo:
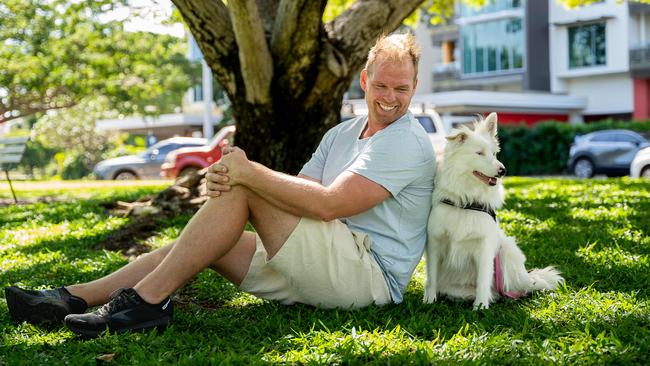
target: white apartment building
<point>589,56</point>
<point>547,61</point>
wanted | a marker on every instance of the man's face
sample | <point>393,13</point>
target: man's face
<point>389,89</point>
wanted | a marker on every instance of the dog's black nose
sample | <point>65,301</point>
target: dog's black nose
<point>502,171</point>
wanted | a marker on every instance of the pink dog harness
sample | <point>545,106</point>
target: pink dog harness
<point>498,281</point>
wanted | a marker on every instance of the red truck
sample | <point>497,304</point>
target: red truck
<point>187,160</point>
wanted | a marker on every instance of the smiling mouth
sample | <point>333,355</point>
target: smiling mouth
<point>386,108</point>
<point>492,181</point>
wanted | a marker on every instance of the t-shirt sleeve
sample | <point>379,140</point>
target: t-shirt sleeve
<point>315,166</point>
<point>394,161</point>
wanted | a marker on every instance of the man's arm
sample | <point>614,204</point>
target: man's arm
<point>348,195</point>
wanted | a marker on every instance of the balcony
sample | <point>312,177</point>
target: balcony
<point>443,72</point>
<point>640,59</point>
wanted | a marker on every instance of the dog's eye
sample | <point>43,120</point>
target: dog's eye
<point>480,153</point>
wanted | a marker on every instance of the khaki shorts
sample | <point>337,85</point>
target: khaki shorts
<point>323,264</point>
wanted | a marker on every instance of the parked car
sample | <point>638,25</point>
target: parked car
<point>145,165</point>
<point>640,166</point>
<point>190,159</point>
<point>607,152</point>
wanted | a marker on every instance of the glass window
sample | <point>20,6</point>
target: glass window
<point>493,46</point>
<point>604,137</point>
<point>427,123</point>
<point>587,45</point>
<point>491,6</point>
<point>197,93</point>
<point>623,137</point>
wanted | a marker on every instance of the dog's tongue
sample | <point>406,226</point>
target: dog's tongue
<point>485,179</point>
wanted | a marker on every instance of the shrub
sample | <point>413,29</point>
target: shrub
<point>544,147</point>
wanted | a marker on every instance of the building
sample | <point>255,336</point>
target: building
<point>536,60</point>
<point>590,56</point>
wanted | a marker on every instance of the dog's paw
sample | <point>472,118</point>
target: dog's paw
<point>430,296</point>
<point>479,305</point>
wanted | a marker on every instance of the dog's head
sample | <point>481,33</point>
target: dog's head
<point>475,151</point>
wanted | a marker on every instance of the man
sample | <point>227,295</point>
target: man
<point>347,232</point>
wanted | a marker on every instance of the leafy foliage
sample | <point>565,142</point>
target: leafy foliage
<point>595,231</point>
<point>56,53</point>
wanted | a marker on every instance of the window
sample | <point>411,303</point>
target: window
<point>197,93</point>
<point>587,45</point>
<point>427,123</point>
<point>622,137</point>
<point>604,137</point>
<point>491,6</point>
<point>493,47</point>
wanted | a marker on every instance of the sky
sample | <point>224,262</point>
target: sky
<point>150,17</point>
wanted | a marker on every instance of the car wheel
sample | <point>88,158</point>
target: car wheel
<point>645,173</point>
<point>583,168</point>
<point>188,171</point>
<point>125,175</point>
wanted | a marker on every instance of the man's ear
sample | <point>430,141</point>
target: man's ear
<point>491,124</point>
<point>363,79</point>
<point>457,136</point>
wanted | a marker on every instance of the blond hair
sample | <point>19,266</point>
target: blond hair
<point>395,47</point>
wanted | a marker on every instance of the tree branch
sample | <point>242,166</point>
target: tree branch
<point>254,56</point>
<point>296,41</point>
<point>350,36</point>
<point>211,26</point>
<point>354,31</point>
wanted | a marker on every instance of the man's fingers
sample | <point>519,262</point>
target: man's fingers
<point>213,186</point>
<point>217,178</point>
<point>217,168</point>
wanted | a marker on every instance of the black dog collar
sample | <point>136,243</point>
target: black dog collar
<point>473,206</point>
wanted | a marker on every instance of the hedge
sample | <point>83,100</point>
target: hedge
<point>544,147</point>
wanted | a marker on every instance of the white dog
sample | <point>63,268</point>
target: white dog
<point>468,255</point>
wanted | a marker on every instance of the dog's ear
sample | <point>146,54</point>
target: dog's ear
<point>458,136</point>
<point>490,124</point>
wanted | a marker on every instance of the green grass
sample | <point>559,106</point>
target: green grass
<point>597,232</point>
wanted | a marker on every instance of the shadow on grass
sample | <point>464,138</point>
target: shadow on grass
<point>411,332</point>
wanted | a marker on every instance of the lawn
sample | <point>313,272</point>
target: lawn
<point>596,232</point>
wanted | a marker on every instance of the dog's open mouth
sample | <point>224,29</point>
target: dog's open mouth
<point>485,179</point>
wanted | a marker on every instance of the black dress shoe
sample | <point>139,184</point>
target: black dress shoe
<point>42,307</point>
<point>126,311</point>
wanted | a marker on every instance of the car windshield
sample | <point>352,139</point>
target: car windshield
<point>218,137</point>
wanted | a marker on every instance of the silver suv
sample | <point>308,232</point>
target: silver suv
<point>607,152</point>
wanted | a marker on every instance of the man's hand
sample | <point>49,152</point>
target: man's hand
<point>227,172</point>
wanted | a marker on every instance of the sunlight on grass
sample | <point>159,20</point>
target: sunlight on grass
<point>595,231</point>
<point>600,213</point>
<point>577,308</point>
<point>609,257</point>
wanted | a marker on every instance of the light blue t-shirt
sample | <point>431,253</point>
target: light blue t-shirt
<point>401,159</point>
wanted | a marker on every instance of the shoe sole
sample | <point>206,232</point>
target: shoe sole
<point>28,308</point>
<point>159,324</point>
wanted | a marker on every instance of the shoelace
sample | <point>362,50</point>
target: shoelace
<point>122,299</point>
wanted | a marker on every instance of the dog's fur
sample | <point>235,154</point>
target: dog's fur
<point>463,243</point>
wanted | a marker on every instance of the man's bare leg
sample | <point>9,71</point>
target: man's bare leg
<point>233,266</point>
<point>212,233</point>
<point>98,292</point>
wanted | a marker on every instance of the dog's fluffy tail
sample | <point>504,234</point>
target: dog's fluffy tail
<point>545,279</point>
<point>515,276</point>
